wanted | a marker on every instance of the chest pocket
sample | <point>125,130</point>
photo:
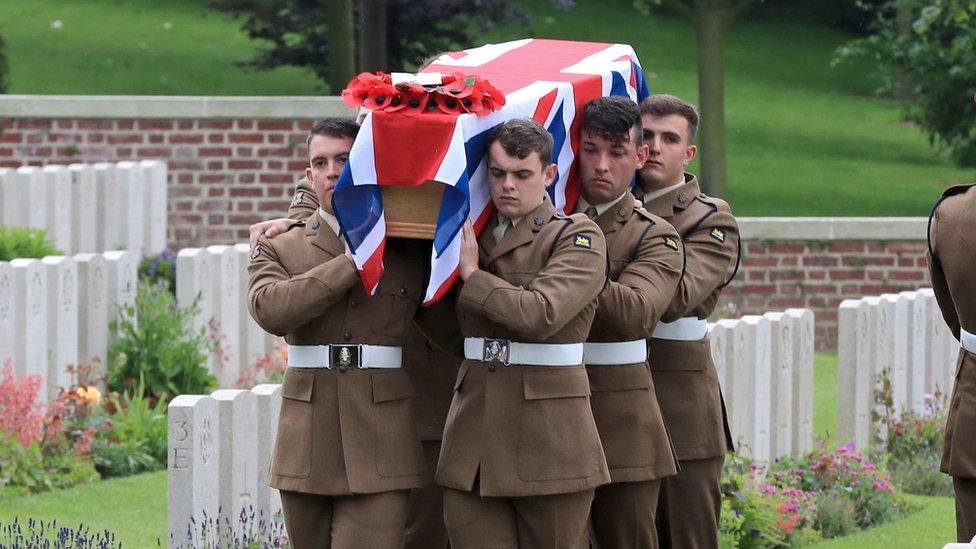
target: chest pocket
<point>396,303</point>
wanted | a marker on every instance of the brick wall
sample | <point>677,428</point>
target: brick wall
<point>234,161</point>
<point>777,275</point>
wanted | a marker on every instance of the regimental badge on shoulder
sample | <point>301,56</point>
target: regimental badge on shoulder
<point>299,196</point>
<point>256,252</point>
<point>671,243</point>
<point>717,234</point>
<point>581,241</point>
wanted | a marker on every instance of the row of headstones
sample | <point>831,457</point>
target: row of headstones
<point>215,278</point>
<point>901,335</point>
<point>89,207</point>
<point>55,311</point>
<point>765,368</point>
<point>220,449</point>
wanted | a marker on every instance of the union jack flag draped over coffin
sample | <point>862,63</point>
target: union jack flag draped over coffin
<point>547,80</point>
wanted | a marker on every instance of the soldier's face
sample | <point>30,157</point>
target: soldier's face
<point>668,150</point>
<point>326,157</point>
<point>607,167</point>
<point>517,185</point>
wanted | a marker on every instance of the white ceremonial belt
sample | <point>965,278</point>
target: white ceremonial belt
<point>512,352</point>
<point>617,352</point>
<point>344,356</point>
<point>968,340</point>
<point>688,328</point>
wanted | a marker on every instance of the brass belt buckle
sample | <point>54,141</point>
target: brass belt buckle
<point>496,350</point>
<point>344,357</point>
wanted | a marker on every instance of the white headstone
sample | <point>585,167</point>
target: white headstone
<point>193,468</point>
<point>155,195</point>
<point>30,319</point>
<point>9,337</point>
<point>122,270</point>
<point>133,203</point>
<point>238,451</point>
<point>898,308</point>
<point>855,382</point>
<point>719,338</point>
<point>255,341</point>
<point>935,359</point>
<point>803,361</point>
<point>781,358</point>
<point>13,200</point>
<point>62,212</point>
<point>921,343</point>
<point>195,271</point>
<point>84,222</point>
<point>62,321</point>
<point>108,207</point>
<point>92,312</point>
<point>268,500</point>
<point>34,190</point>
<point>227,309</point>
<point>752,383</point>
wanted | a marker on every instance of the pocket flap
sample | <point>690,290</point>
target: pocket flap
<point>555,382</point>
<point>297,384</point>
<point>389,386</point>
<point>619,378</point>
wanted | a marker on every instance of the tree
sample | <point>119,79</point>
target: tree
<point>711,19</point>
<point>380,34</point>
<point>934,57</point>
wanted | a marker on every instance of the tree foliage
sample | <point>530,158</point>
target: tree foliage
<point>936,55</point>
<point>297,31</point>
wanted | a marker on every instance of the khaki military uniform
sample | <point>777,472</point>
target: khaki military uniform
<point>952,265</point>
<point>343,432</point>
<point>646,261</point>
<point>433,373</point>
<point>684,375</point>
<point>521,454</point>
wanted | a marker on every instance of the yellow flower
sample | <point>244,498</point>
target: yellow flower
<point>90,395</point>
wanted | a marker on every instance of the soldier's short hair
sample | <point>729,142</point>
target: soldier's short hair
<point>613,118</point>
<point>662,104</point>
<point>334,126</point>
<point>520,137</point>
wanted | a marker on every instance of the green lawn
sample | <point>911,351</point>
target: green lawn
<point>134,508</point>
<point>803,138</point>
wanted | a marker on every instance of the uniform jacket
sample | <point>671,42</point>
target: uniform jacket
<point>684,374</point>
<point>952,266</point>
<point>527,430</point>
<point>646,261</point>
<point>339,432</point>
<point>431,370</point>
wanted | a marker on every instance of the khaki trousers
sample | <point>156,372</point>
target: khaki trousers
<point>532,522</point>
<point>315,521</point>
<point>688,511</point>
<point>623,515</point>
<point>425,522</point>
<point>965,489</point>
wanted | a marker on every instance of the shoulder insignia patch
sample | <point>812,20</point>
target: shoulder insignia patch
<point>717,234</point>
<point>581,241</point>
<point>299,196</point>
<point>671,243</point>
<point>256,252</point>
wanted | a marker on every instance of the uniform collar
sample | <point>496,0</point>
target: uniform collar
<point>678,197</point>
<point>520,234</point>
<point>321,233</point>
<point>621,210</point>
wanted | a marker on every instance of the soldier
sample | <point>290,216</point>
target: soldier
<point>645,265</point>
<point>952,265</point>
<point>521,454</point>
<point>681,363</point>
<point>431,371</point>
<point>347,452</point>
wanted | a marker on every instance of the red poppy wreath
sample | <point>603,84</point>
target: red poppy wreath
<point>457,93</point>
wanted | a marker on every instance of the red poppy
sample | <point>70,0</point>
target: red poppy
<point>415,98</point>
<point>380,96</point>
<point>447,104</point>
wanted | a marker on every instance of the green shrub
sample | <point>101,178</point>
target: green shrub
<point>135,439</point>
<point>23,242</point>
<point>29,469</point>
<point>157,353</point>
<point>160,268</point>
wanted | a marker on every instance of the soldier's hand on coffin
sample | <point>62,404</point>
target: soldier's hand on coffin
<point>469,251</point>
<point>270,229</point>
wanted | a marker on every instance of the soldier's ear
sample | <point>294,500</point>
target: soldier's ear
<point>690,153</point>
<point>550,173</point>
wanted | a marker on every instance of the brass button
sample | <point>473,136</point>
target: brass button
<point>403,290</point>
<point>347,336</point>
<point>315,225</point>
<point>682,197</point>
<point>538,221</point>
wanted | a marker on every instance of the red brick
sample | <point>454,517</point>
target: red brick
<point>272,206</point>
<point>875,275</point>
<point>785,302</point>
<point>244,219</point>
<point>246,191</point>
<point>185,138</point>
<point>216,192</point>
<point>215,219</point>
<point>876,289</point>
<point>95,124</point>
<point>276,125</point>
<point>916,248</point>
<point>245,124</point>
<point>753,276</point>
<point>297,166</point>
<point>243,165</point>
<point>759,289</point>
<point>820,260</point>
<point>185,125</point>
<point>11,137</point>
<point>156,138</point>
<point>245,206</point>
<point>215,138</point>
<point>118,138</point>
<point>245,178</point>
<point>216,178</point>
<point>786,248</point>
<point>215,205</point>
<point>789,261</point>
<point>204,152</point>
<point>125,124</point>
<point>276,138</point>
<point>759,261</point>
<point>906,261</point>
<point>33,123</point>
<point>846,246</point>
<point>155,124</point>
<point>246,137</point>
<point>216,124</point>
<point>922,261</point>
<point>244,152</point>
<point>907,275</point>
<point>847,274</point>
<point>277,178</point>
<point>785,275</point>
<point>819,288</point>
<point>281,151</point>
<point>192,165</point>
<point>154,152</point>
